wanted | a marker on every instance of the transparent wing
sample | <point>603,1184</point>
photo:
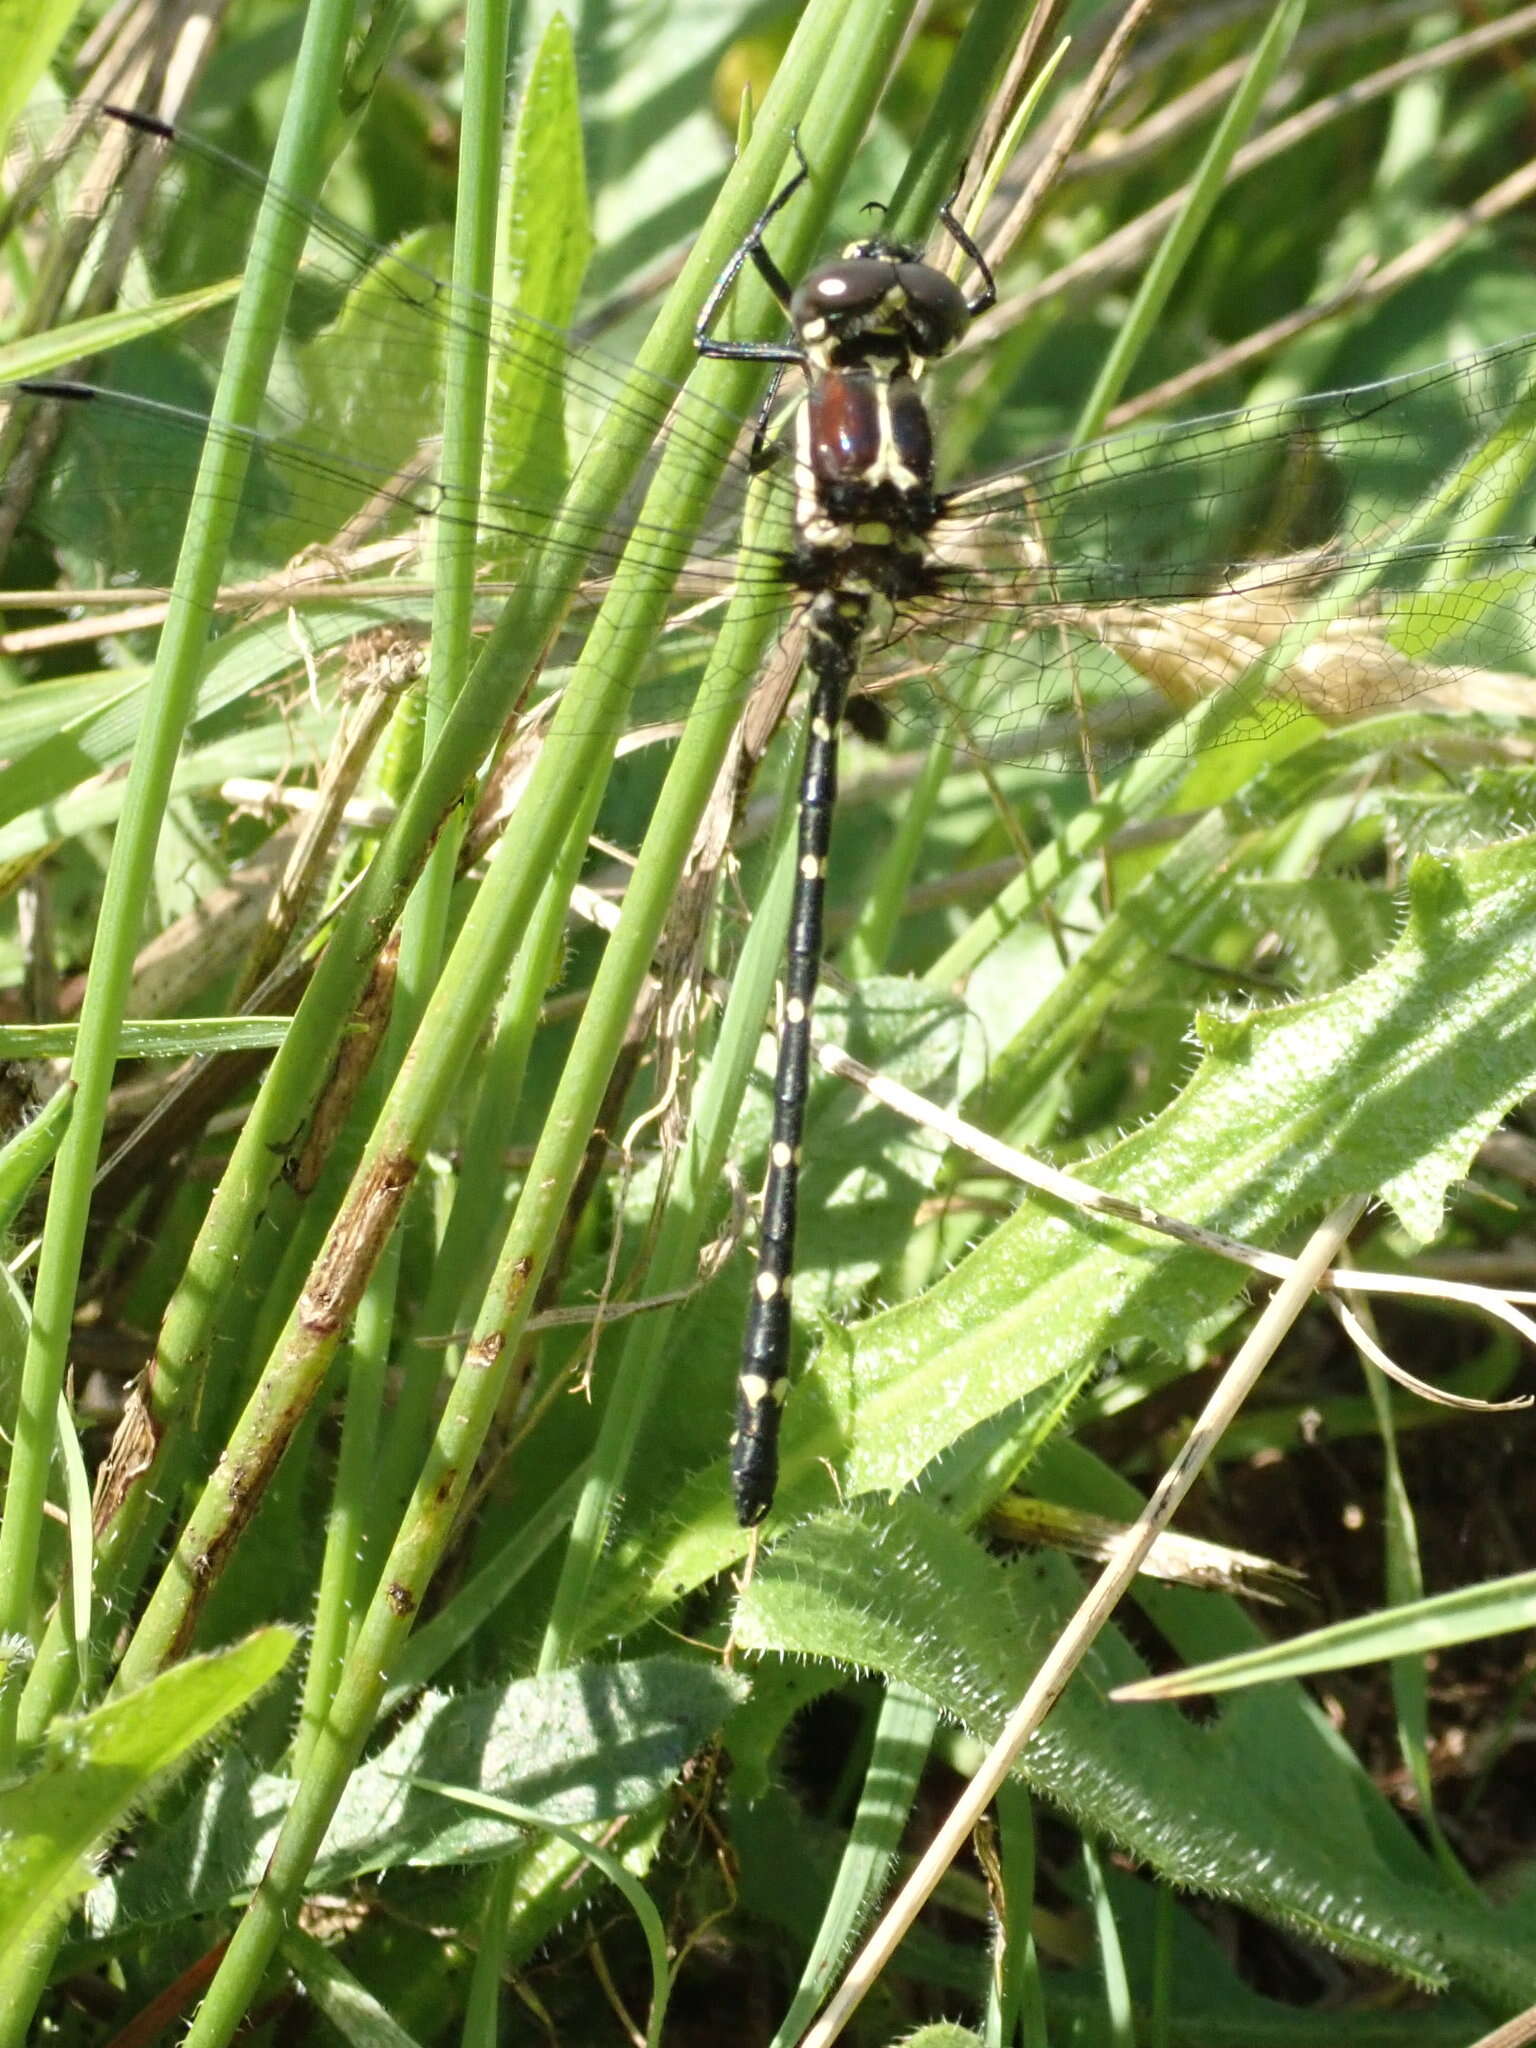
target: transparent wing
<point>1058,682</point>
<point>359,364</point>
<point>1333,552</point>
<point>342,484</point>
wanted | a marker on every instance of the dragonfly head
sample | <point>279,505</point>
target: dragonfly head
<point>878,302</point>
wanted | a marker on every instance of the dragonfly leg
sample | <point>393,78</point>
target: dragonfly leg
<point>984,298</point>
<point>752,247</point>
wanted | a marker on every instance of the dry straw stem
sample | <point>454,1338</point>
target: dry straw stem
<point>332,577</point>
<point>1206,99</point>
<point>1365,288</point>
<point>1514,2033</point>
<point>1129,245</point>
<point>1023,67</point>
<point>1284,1306</point>
<point>1080,1194</point>
<point>1075,122</point>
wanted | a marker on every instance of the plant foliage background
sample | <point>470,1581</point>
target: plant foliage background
<point>369,1540</point>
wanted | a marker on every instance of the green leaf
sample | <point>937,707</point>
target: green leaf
<point>1388,1084</point>
<point>94,1769</point>
<point>1300,1836</point>
<point>41,355</point>
<point>581,1745</point>
<point>547,241</point>
<point>578,1745</point>
<point>1496,1607</point>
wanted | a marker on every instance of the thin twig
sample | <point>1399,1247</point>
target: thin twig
<point>1021,70</point>
<point>1128,245</point>
<point>1515,2033</point>
<point>1171,121</point>
<point>1081,1194</point>
<point>1083,107</point>
<point>1368,1347</point>
<point>1076,1638</point>
<point>1365,288</point>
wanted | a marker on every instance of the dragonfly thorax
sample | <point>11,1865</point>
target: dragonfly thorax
<point>865,469</point>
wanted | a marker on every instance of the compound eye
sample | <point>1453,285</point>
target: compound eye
<point>937,303</point>
<point>839,290</point>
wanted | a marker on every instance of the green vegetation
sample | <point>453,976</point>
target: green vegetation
<point>414,1682</point>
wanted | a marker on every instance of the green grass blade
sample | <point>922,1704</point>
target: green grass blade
<point>572,753</point>
<point>40,355</point>
<point>903,1740</point>
<point>1418,1627</point>
<point>454,568</point>
<point>178,664</point>
<point>1183,231</point>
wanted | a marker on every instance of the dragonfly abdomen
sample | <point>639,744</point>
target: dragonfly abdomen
<point>865,505</point>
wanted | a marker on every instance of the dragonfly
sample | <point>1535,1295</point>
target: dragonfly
<point>1330,553</point>
<point>866,510</point>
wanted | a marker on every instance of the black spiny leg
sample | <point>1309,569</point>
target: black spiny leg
<point>752,246</point>
<point>984,298</point>
<point>783,355</point>
<point>834,623</point>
